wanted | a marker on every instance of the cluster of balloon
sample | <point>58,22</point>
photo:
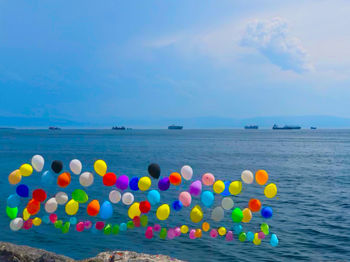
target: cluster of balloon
<point>40,206</point>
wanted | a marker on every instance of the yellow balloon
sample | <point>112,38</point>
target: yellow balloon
<point>15,177</point>
<point>205,226</point>
<point>37,221</point>
<point>144,183</point>
<point>163,212</point>
<point>184,229</point>
<point>256,240</point>
<point>235,187</point>
<point>196,214</point>
<point>26,214</point>
<point>100,167</point>
<point>219,187</point>
<point>72,207</point>
<point>134,210</point>
<point>270,190</point>
<point>26,170</point>
<point>222,231</point>
<point>247,215</point>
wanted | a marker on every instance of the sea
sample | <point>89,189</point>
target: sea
<point>311,168</point>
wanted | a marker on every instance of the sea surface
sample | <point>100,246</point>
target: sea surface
<point>310,167</point>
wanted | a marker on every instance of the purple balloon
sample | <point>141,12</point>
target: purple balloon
<point>229,236</point>
<point>196,188</point>
<point>122,182</point>
<point>164,184</point>
<point>171,233</point>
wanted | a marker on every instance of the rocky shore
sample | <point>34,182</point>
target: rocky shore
<point>15,253</point>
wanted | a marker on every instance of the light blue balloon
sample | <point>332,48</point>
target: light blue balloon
<point>123,227</point>
<point>106,210</point>
<point>237,228</point>
<point>274,240</point>
<point>207,198</point>
<point>46,219</point>
<point>250,236</point>
<point>153,197</point>
<point>47,178</point>
<point>13,201</point>
<point>73,220</point>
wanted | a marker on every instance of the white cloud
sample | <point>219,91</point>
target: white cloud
<point>274,41</point>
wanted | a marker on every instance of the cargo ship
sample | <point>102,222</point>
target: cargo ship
<point>172,127</point>
<point>54,128</point>
<point>286,127</point>
<point>251,127</point>
<point>313,127</point>
<point>118,128</point>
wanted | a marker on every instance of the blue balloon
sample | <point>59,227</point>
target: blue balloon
<point>207,198</point>
<point>47,178</point>
<point>177,205</point>
<point>73,220</point>
<point>274,240</point>
<point>226,192</point>
<point>250,236</point>
<point>13,201</point>
<point>46,219</point>
<point>237,228</point>
<point>134,183</point>
<point>106,210</point>
<point>153,197</point>
<point>22,190</point>
<point>123,227</point>
<point>266,212</point>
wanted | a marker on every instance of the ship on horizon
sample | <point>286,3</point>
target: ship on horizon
<point>172,127</point>
<point>286,127</point>
<point>118,128</point>
<point>251,127</point>
<point>54,128</point>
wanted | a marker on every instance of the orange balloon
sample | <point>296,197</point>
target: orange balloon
<point>254,205</point>
<point>63,180</point>
<point>261,177</point>
<point>93,208</point>
<point>198,233</point>
<point>175,179</point>
<point>33,207</point>
<point>205,226</point>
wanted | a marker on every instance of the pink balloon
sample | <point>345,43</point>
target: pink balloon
<point>80,226</point>
<point>157,227</point>
<point>196,188</point>
<point>229,236</point>
<point>213,233</point>
<point>149,233</point>
<point>192,234</point>
<point>185,198</point>
<point>171,233</point>
<point>100,225</point>
<point>208,179</point>
<point>87,224</point>
<point>261,235</point>
<point>177,232</point>
<point>53,218</point>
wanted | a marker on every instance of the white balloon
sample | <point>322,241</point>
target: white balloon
<point>227,203</point>
<point>76,166</point>
<point>61,198</point>
<point>86,179</point>
<point>127,198</point>
<point>51,205</point>
<point>115,196</point>
<point>247,177</point>
<point>217,214</point>
<point>38,162</point>
<point>16,224</point>
<point>186,172</point>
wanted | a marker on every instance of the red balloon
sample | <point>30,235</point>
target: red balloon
<point>145,207</point>
<point>137,221</point>
<point>33,207</point>
<point>63,180</point>
<point>39,195</point>
<point>109,179</point>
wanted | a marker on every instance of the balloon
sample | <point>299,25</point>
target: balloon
<point>192,234</point>
<point>163,212</point>
<point>115,196</point>
<point>33,207</point>
<point>53,218</point>
<point>254,205</point>
<point>56,166</point>
<point>229,236</point>
<point>145,207</point>
<point>26,215</point>
<point>86,179</point>
<point>163,233</point>
<point>235,187</point>
<point>177,231</point>
<point>37,221</point>
<point>217,214</point>
<point>134,183</point>
<point>227,203</point>
<point>196,214</point>
<point>106,210</point>
<point>115,229</point>
<point>149,233</point>
<point>130,225</point>
<point>270,190</point>
<point>261,177</point>
<point>63,180</point>
<point>39,195</point>
<point>261,235</point>
<point>136,220</point>
<point>99,225</point>
<point>26,170</point>
<point>250,236</point>
<point>171,233</point>
<point>100,167</point>
<point>207,198</point>
<point>123,227</point>
<point>80,196</point>
<point>198,233</point>
<point>265,228</point>
<point>28,224</point>
<point>237,215</point>
<point>144,183</point>
<point>164,184</point>
<point>109,179</point>
<point>208,179</point>
<point>73,220</point>
<point>72,207</point>
<point>186,172</point>
<point>76,166</point>
<point>51,205</point>
<point>205,226</point>
<point>274,240</point>
<point>15,177</point>
<point>61,198</point>
<point>219,186</point>
<point>266,212</point>
<point>247,177</point>
<point>58,224</point>
<point>108,229</point>
<point>222,231</point>
<point>12,212</point>
<point>153,197</point>
<point>226,191</point>
<point>247,215</point>
<point>87,224</point>
<point>157,227</point>
<point>80,227</point>
<point>122,182</point>
<point>196,188</point>
<point>237,228</point>
<point>175,179</point>
<point>184,229</point>
<point>242,236</point>
<point>22,190</point>
<point>177,205</point>
<point>16,224</point>
<point>13,201</point>
<point>38,163</point>
<point>93,208</point>
<point>185,198</point>
<point>47,178</point>
<point>127,198</point>
<point>213,233</point>
<point>144,220</point>
<point>154,170</point>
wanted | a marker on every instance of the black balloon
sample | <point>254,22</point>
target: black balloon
<point>57,166</point>
<point>154,170</point>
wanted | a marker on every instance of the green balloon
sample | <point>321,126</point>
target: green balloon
<point>108,229</point>
<point>80,196</point>
<point>58,223</point>
<point>237,215</point>
<point>130,225</point>
<point>265,228</point>
<point>12,212</point>
<point>115,229</point>
<point>65,227</point>
<point>144,220</point>
<point>242,237</point>
<point>163,233</point>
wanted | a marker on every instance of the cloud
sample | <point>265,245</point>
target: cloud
<point>273,40</point>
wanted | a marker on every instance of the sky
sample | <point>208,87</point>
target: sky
<point>96,61</point>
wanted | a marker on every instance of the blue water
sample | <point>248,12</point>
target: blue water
<point>310,168</point>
